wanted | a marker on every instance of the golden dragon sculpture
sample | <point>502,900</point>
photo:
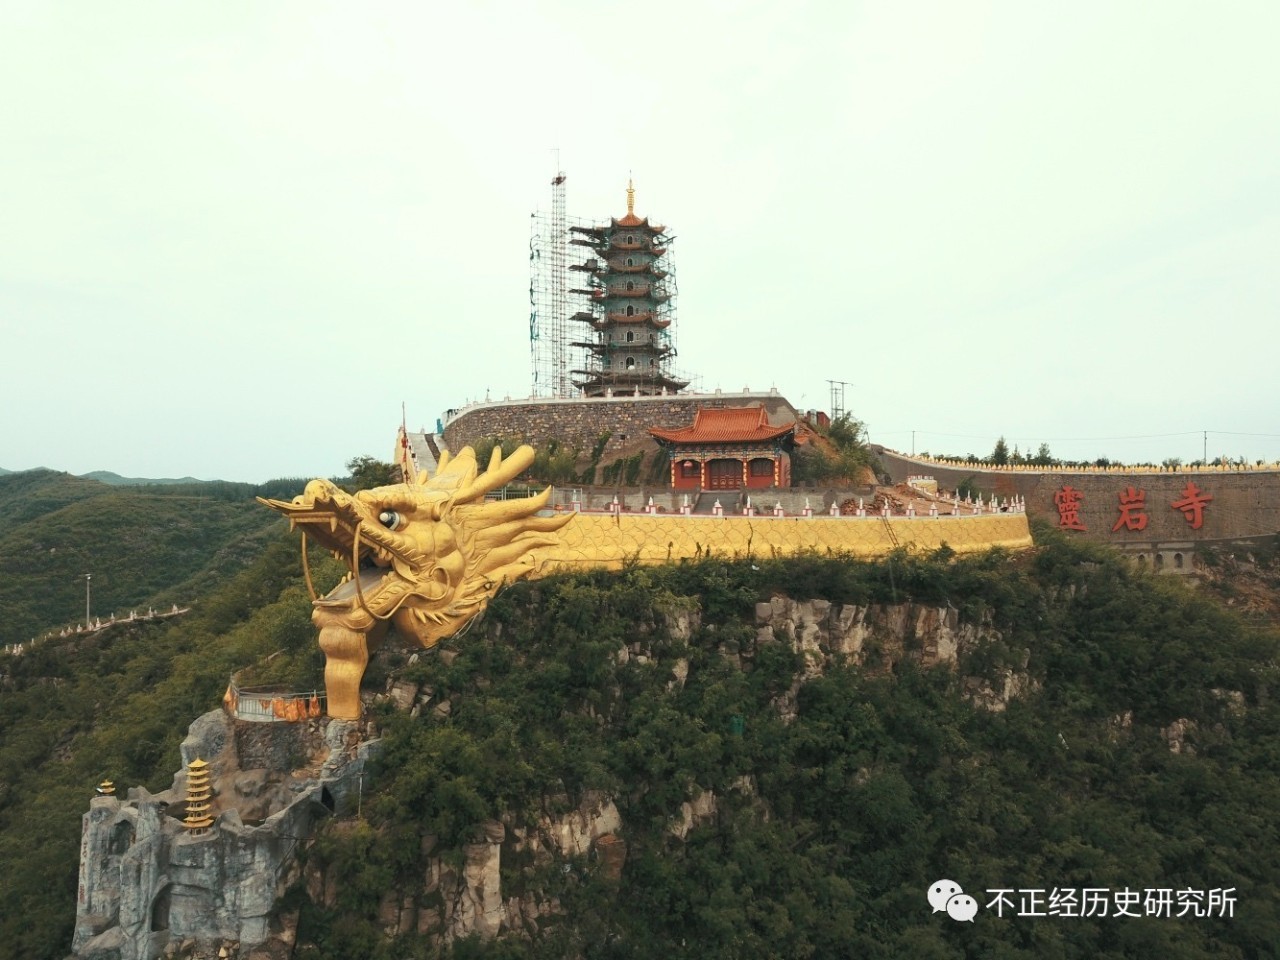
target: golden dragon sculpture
<point>426,556</point>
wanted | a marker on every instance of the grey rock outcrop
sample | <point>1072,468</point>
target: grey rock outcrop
<point>148,884</point>
<point>878,636</point>
<point>456,902</point>
<point>823,631</point>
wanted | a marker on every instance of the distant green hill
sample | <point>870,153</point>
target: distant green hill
<point>140,544</point>
<point>115,480</point>
<point>117,704</point>
<point>30,494</point>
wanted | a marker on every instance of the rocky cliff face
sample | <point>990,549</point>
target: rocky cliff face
<point>462,892</point>
<point>877,637</point>
<point>148,886</point>
<point>459,901</point>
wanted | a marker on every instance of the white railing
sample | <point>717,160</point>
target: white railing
<point>271,704</point>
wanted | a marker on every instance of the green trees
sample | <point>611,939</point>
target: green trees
<point>118,706</point>
<point>652,686</point>
<point>554,463</point>
<point>369,472</point>
<point>140,544</point>
<point>849,456</point>
<point>827,828</point>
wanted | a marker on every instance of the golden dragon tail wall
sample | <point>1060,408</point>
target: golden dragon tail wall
<point>428,556</point>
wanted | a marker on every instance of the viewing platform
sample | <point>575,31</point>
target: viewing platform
<point>272,704</point>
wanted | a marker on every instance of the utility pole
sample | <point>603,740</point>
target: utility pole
<point>1204,456</point>
<point>87,578</point>
<point>837,397</point>
<point>913,443</point>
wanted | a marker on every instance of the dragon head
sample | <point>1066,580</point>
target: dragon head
<point>426,555</point>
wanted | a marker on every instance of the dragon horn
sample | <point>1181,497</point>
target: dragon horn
<point>500,472</point>
<point>489,537</point>
<point>500,511</point>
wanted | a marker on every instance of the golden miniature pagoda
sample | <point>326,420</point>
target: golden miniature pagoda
<point>198,796</point>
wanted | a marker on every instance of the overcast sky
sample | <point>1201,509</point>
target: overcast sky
<point>237,235</point>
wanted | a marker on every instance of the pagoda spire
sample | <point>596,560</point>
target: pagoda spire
<point>631,198</point>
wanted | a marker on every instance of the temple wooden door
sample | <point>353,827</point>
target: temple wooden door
<point>724,474</point>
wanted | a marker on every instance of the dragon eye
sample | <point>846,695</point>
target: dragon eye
<point>389,519</point>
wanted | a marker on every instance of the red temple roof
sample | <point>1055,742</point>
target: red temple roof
<point>730,425</point>
<point>631,220</point>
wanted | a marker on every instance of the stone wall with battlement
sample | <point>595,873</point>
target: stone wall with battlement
<point>1245,502</point>
<point>579,422</point>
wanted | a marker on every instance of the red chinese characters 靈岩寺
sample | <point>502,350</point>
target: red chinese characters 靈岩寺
<point>1133,510</point>
<point>1067,500</point>
<point>1192,504</point>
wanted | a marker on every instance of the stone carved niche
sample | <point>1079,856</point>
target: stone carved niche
<point>160,909</point>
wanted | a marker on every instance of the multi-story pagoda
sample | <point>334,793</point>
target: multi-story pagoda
<point>629,308</point>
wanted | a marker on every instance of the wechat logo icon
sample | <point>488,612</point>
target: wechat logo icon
<point>947,895</point>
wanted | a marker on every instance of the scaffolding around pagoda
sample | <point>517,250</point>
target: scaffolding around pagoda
<point>616,277</point>
<point>625,292</point>
<point>552,354</point>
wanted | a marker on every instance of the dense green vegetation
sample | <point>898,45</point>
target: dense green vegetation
<point>118,705</point>
<point>155,544</point>
<point>368,472</point>
<point>554,463</point>
<point>829,828</point>
<point>887,780</point>
<point>845,460</point>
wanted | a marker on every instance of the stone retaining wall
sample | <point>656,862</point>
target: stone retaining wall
<point>1245,504</point>
<point>580,422</point>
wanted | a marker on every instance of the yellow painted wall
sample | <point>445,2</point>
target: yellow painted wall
<point>596,540</point>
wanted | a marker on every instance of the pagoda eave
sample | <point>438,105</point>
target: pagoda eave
<point>632,222</point>
<point>638,294</point>
<point>613,318</point>
<point>626,386</point>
